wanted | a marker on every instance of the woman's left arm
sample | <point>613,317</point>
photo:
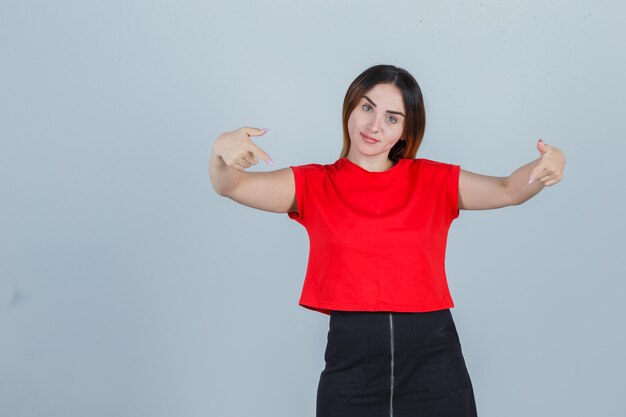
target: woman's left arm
<point>482,192</point>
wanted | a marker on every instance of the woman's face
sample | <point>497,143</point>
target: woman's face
<point>379,115</point>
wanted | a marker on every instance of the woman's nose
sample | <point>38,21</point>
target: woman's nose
<point>374,123</point>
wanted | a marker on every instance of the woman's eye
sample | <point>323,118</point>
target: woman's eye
<point>366,105</point>
<point>394,119</point>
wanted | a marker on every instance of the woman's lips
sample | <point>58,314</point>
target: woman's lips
<point>368,139</point>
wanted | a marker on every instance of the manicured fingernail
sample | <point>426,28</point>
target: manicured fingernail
<point>540,140</point>
<point>269,161</point>
<point>531,180</point>
<point>265,129</point>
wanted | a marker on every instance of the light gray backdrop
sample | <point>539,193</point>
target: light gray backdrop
<point>128,287</point>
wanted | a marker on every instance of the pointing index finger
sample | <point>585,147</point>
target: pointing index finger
<point>261,153</point>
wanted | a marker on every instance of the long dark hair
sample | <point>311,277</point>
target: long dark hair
<point>415,122</point>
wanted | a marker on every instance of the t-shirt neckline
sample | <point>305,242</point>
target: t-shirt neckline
<point>361,169</point>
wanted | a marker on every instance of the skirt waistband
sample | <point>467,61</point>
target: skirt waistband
<point>357,337</point>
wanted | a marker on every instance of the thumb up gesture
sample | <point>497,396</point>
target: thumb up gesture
<point>551,165</point>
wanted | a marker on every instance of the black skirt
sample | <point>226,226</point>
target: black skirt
<point>394,364</point>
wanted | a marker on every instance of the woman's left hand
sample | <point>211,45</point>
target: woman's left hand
<point>551,165</point>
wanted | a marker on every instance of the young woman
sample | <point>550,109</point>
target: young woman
<point>377,221</point>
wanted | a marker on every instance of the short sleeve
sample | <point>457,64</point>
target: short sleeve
<point>442,185</point>
<point>299,181</point>
<point>453,189</point>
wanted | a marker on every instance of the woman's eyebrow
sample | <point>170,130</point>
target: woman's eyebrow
<point>388,111</point>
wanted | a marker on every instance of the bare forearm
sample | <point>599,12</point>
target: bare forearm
<point>223,177</point>
<point>517,184</point>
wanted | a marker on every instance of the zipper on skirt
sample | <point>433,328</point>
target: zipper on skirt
<point>391,379</point>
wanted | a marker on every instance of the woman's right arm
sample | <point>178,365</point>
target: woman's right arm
<point>232,153</point>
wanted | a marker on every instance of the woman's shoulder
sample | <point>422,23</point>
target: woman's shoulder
<point>428,163</point>
<point>312,166</point>
<point>311,169</point>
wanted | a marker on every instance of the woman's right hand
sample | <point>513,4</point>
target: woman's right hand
<point>237,149</point>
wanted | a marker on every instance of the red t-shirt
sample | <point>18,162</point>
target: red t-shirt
<point>377,240</point>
